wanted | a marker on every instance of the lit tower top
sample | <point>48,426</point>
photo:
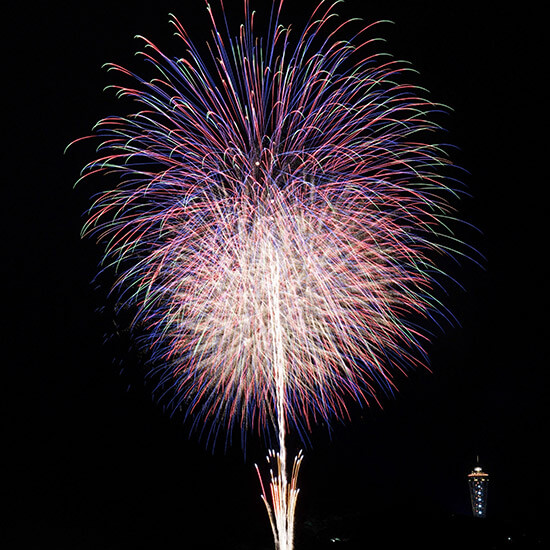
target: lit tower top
<point>478,481</point>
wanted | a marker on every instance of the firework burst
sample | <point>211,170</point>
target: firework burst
<point>275,227</point>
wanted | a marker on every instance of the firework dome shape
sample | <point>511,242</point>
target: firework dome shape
<point>278,220</point>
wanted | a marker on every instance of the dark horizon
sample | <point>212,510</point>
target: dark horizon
<point>95,463</point>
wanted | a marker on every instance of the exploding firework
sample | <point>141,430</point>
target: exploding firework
<point>275,228</point>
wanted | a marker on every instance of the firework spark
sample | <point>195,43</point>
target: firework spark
<point>281,503</point>
<point>275,228</point>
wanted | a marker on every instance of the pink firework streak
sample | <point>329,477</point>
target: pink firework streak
<point>275,227</point>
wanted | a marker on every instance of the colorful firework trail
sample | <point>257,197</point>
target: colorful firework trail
<point>276,226</point>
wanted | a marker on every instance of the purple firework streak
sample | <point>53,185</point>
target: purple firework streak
<point>275,227</point>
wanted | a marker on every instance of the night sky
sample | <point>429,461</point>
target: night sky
<point>93,462</point>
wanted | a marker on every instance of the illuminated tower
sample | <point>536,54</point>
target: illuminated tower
<point>478,481</point>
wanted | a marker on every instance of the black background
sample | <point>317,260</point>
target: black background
<point>94,463</point>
